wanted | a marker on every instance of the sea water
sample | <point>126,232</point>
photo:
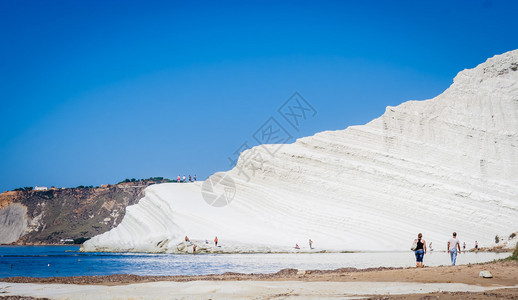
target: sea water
<point>49,261</point>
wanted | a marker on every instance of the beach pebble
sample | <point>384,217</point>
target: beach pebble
<point>485,274</point>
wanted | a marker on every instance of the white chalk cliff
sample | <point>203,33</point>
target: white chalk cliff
<point>435,166</point>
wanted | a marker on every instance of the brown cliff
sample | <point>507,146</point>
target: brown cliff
<point>49,217</point>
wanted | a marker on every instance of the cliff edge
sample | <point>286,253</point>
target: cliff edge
<point>55,215</point>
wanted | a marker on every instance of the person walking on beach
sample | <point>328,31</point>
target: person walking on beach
<point>183,178</point>
<point>216,241</point>
<point>178,180</point>
<point>190,178</point>
<point>431,249</point>
<point>194,177</point>
<point>420,250</point>
<point>453,245</point>
<point>464,246</point>
<point>310,244</point>
<point>476,245</point>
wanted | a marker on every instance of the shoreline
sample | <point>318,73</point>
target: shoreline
<point>413,274</point>
<point>446,282</point>
<point>203,251</point>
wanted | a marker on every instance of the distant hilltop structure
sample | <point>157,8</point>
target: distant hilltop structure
<point>127,183</point>
<point>41,215</point>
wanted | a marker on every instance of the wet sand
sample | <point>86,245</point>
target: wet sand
<point>445,282</point>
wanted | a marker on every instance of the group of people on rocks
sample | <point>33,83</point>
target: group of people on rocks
<point>310,242</point>
<point>184,179</point>
<point>419,247</point>
<point>194,246</point>
<point>310,245</point>
<point>453,246</point>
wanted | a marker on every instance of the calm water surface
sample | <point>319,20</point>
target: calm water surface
<point>47,261</point>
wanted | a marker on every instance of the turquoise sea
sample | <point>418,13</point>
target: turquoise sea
<point>49,261</point>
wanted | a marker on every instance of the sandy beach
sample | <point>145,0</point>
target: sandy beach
<point>445,282</point>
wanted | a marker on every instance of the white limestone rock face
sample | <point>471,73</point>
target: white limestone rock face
<point>434,166</point>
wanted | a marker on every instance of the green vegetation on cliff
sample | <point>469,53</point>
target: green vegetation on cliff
<point>150,179</point>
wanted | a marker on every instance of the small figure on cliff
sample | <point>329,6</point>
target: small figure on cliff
<point>476,245</point>
<point>310,244</point>
<point>216,241</point>
<point>297,246</point>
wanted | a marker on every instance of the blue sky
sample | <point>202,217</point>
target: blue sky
<point>94,92</point>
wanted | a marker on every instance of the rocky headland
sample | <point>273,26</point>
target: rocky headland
<point>68,215</point>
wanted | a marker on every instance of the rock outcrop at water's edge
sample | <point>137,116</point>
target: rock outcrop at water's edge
<point>48,217</point>
<point>435,166</point>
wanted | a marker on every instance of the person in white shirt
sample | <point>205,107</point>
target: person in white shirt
<point>453,245</point>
